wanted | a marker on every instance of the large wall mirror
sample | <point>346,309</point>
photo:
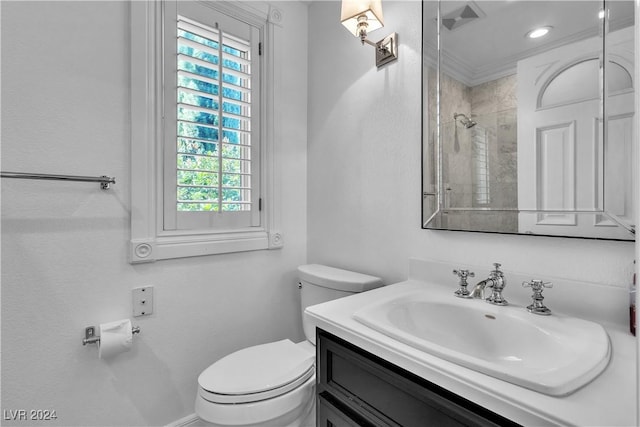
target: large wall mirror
<point>530,135</point>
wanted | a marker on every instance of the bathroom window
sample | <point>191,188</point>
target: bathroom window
<point>212,147</point>
<point>200,156</point>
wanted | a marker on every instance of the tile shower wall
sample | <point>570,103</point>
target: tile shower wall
<point>493,106</point>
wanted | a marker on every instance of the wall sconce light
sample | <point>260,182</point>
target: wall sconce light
<point>362,16</point>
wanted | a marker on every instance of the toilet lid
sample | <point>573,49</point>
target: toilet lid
<point>257,369</point>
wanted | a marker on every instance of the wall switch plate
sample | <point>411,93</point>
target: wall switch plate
<point>143,301</point>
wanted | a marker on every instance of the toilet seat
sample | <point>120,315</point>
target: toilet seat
<point>257,373</point>
<point>280,411</point>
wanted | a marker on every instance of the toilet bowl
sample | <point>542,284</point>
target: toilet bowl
<point>265,385</point>
<point>273,384</point>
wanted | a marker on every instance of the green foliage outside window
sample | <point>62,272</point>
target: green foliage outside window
<point>210,180</point>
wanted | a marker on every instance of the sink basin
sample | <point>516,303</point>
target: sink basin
<point>554,355</point>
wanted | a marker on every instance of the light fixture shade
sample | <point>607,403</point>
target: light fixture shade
<point>352,9</point>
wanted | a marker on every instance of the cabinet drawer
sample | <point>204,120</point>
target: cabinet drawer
<point>332,414</point>
<point>369,385</point>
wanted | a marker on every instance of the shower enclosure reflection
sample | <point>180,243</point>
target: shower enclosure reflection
<point>516,139</point>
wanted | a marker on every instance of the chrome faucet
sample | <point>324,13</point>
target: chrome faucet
<point>496,282</point>
<point>497,285</point>
<point>478,290</point>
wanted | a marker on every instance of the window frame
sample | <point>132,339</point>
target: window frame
<point>198,13</point>
<point>149,240</point>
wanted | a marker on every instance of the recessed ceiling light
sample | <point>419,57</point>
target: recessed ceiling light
<point>538,32</point>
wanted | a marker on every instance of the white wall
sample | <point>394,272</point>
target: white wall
<point>65,102</point>
<point>364,168</point>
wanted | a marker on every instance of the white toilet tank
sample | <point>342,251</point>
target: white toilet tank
<point>320,283</point>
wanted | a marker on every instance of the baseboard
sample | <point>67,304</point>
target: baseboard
<point>189,420</point>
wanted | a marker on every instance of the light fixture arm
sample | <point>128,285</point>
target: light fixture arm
<point>367,41</point>
<point>382,48</point>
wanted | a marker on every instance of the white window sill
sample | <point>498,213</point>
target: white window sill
<point>168,247</point>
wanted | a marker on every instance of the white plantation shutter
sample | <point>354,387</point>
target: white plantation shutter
<point>212,128</point>
<point>201,165</point>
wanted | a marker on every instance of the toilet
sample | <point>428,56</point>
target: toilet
<point>273,384</point>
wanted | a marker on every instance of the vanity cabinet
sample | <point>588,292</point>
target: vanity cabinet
<point>357,388</point>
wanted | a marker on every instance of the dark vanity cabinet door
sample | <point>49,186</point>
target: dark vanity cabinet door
<point>357,388</point>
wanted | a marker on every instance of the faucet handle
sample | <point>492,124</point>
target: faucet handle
<point>537,307</point>
<point>464,274</point>
<point>462,291</point>
<point>537,285</point>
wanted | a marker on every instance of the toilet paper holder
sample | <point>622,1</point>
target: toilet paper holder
<point>91,338</point>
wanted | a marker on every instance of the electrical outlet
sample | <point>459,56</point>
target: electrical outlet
<point>143,301</point>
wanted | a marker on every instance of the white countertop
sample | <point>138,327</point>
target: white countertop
<point>609,400</point>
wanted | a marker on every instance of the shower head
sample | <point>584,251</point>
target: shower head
<point>464,120</point>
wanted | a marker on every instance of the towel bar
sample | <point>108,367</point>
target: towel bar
<point>104,180</point>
